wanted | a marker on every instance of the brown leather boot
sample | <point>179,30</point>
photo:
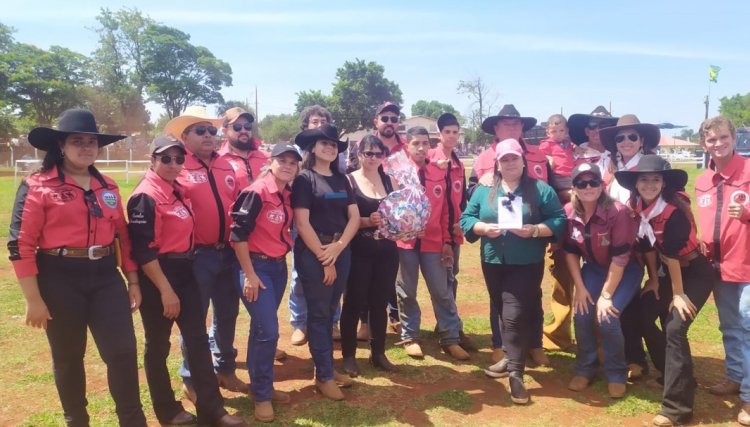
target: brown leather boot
<point>330,390</point>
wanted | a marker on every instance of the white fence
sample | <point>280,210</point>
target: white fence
<point>125,166</point>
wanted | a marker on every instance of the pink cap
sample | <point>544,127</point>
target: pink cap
<point>508,146</point>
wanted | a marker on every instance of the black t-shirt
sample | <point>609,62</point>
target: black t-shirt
<point>368,205</point>
<point>327,197</point>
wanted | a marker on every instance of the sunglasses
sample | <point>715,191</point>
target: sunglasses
<point>508,203</point>
<point>371,154</point>
<point>167,159</point>
<point>631,136</point>
<point>238,127</point>
<point>593,183</point>
<point>393,119</point>
<point>594,125</point>
<point>94,209</point>
<point>201,130</point>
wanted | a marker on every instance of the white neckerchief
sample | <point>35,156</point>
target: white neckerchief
<point>630,164</point>
<point>644,228</point>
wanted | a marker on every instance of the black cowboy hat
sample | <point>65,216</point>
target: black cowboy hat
<point>507,112</point>
<point>650,134</point>
<point>308,137</point>
<point>71,121</point>
<point>577,123</point>
<point>651,163</point>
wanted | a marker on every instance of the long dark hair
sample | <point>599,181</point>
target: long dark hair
<point>529,192</point>
<point>308,160</point>
<point>672,196</point>
<point>53,157</point>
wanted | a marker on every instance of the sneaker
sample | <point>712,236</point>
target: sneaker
<point>413,349</point>
<point>744,416</point>
<point>329,389</point>
<point>578,383</point>
<point>655,383</point>
<point>342,380</point>
<point>336,333</point>
<point>456,352</point>
<point>498,370</point>
<point>497,355</point>
<point>280,354</point>
<point>232,383</point>
<point>635,371</point>
<point>363,334</point>
<point>662,421</point>
<point>229,420</point>
<point>299,337</point>
<point>518,393</point>
<point>264,411</point>
<point>538,356</point>
<point>725,388</point>
<point>616,390</point>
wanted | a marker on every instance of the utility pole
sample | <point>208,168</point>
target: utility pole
<point>256,103</point>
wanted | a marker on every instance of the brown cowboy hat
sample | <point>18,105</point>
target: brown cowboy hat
<point>650,134</point>
<point>652,163</point>
<point>577,123</point>
<point>71,121</point>
<point>507,112</point>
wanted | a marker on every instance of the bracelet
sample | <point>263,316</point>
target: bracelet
<point>133,284</point>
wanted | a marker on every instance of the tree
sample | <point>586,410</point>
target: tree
<point>224,106</point>
<point>279,128</point>
<point>42,84</point>
<point>482,102</point>
<point>689,135</point>
<point>178,73</point>
<point>312,97</point>
<point>737,109</point>
<point>360,87</point>
<point>6,37</point>
<point>433,109</point>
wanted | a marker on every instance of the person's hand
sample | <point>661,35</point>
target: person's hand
<point>376,219</point>
<point>487,179</point>
<point>605,309</point>
<point>442,164</point>
<point>492,230</point>
<point>703,247</point>
<point>581,300</point>
<point>134,293</point>
<point>330,252</point>
<point>37,313</point>
<point>735,210</point>
<point>526,231</point>
<point>652,285</point>
<point>446,257</point>
<point>171,303</point>
<point>457,231</point>
<point>684,306</point>
<point>329,274</point>
<point>251,287</point>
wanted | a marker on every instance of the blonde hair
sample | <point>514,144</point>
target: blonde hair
<point>555,120</point>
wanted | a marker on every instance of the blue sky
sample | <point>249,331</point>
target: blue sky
<point>648,58</point>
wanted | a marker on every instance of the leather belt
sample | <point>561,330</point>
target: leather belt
<point>264,257</point>
<point>687,258</point>
<point>178,255</point>
<point>92,252</point>
<point>216,246</point>
<point>326,239</point>
<point>375,235</point>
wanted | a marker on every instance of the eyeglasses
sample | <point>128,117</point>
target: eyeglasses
<point>631,136</point>
<point>508,203</point>
<point>167,159</point>
<point>371,154</point>
<point>201,130</point>
<point>238,127</point>
<point>393,119</point>
<point>94,209</point>
<point>593,183</point>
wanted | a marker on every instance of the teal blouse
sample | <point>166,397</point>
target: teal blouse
<point>509,248</point>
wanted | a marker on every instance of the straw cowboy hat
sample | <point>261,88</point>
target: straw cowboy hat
<point>192,115</point>
<point>71,121</point>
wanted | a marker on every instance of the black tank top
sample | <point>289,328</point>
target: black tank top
<point>368,205</point>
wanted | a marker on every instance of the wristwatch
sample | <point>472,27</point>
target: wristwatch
<point>535,233</point>
<point>606,295</point>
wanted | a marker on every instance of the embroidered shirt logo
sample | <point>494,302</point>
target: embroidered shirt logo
<point>275,216</point>
<point>110,199</point>
<point>704,200</point>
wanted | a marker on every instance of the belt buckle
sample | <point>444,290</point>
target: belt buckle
<point>91,252</point>
<point>219,246</point>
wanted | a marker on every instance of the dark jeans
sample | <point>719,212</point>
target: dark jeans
<point>217,274</point>
<point>630,322</point>
<point>80,294</point>
<point>652,309</point>
<point>698,280</point>
<point>370,286</point>
<point>322,301</point>
<point>535,340</point>
<point>158,329</point>
<point>264,326</point>
<point>514,291</point>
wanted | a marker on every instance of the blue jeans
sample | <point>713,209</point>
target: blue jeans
<point>297,302</point>
<point>217,274</point>
<point>613,343</point>
<point>441,293</point>
<point>733,302</point>
<point>264,326</point>
<point>322,301</point>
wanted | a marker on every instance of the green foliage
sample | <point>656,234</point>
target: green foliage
<point>224,106</point>
<point>312,97</point>
<point>433,109</point>
<point>689,135</point>
<point>180,74</point>
<point>279,128</point>
<point>737,109</point>
<point>6,37</point>
<point>360,87</point>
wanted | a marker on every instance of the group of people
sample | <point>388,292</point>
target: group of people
<point>211,223</point>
